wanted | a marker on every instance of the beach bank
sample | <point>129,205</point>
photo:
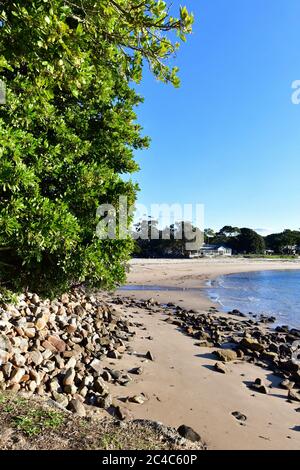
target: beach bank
<point>181,384</point>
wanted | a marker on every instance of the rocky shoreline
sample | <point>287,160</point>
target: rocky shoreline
<point>58,350</point>
<point>55,349</point>
<point>240,338</point>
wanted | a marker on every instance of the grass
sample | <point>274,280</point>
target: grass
<point>37,421</point>
<point>31,424</point>
<point>30,420</point>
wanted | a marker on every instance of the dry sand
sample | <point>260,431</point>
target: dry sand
<point>181,386</point>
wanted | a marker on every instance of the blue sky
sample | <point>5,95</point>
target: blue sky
<point>229,138</point>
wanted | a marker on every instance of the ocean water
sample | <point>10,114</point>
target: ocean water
<point>263,292</point>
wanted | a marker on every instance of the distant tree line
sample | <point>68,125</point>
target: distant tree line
<point>171,241</point>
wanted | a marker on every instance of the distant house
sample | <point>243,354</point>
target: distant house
<point>290,249</point>
<point>211,250</point>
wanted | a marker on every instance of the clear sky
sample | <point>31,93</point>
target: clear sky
<point>230,136</point>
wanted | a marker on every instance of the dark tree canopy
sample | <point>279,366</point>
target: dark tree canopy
<point>248,241</point>
<point>69,130</point>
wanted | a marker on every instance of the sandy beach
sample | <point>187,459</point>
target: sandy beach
<point>181,385</point>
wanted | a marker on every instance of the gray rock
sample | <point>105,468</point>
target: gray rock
<point>101,387</point>
<point>35,357</point>
<point>60,398</point>
<point>96,365</point>
<point>77,407</point>
<point>104,402</point>
<point>188,433</point>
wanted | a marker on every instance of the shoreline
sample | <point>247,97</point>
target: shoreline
<point>183,374</point>
<point>189,280</point>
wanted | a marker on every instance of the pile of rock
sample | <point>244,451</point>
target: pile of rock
<point>238,337</point>
<point>56,348</point>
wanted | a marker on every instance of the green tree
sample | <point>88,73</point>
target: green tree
<point>68,131</point>
<point>248,241</point>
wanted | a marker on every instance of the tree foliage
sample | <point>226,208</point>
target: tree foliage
<point>171,241</point>
<point>69,130</point>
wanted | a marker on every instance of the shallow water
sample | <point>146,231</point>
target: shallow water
<point>264,292</point>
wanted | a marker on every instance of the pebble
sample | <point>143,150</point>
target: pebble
<point>239,416</point>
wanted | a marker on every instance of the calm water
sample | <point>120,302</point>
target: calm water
<point>268,292</point>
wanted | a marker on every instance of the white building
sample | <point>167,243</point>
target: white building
<point>215,250</point>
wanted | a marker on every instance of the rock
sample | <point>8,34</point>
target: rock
<point>19,360</point>
<point>41,323</point>
<point>101,387</point>
<point>70,389</point>
<point>188,433</point>
<point>106,376</point>
<point>114,354</point>
<point>139,399</point>
<point>125,379</point>
<point>293,395</point>
<point>116,374</point>
<point>287,384</point>
<point>65,299</point>
<point>269,355</point>
<point>252,344</point>
<point>96,365</point>
<point>54,344</point>
<point>104,402</point>
<point>149,356</point>
<point>136,370</point>
<point>71,363</point>
<point>60,398</point>
<point>17,375</point>
<point>69,377</point>
<point>259,381</point>
<point>204,344</point>
<point>36,376</point>
<point>5,343</point>
<point>288,365</point>
<point>239,416</point>
<point>29,332</point>
<point>77,407</point>
<point>4,356</point>
<point>35,357</point>
<point>219,367</point>
<point>226,355</point>
<point>122,413</point>
<point>35,299</point>
<point>259,386</point>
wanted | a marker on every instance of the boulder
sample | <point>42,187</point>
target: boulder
<point>226,355</point>
<point>252,344</point>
